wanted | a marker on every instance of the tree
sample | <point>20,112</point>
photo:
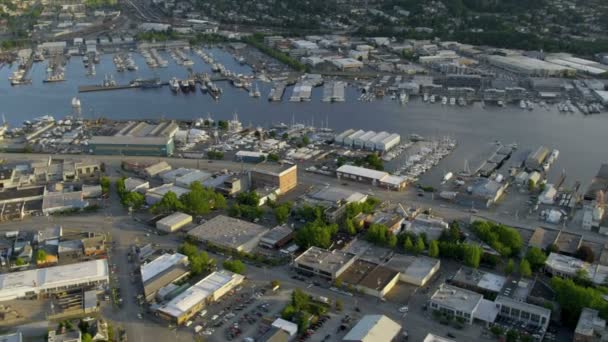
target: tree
<point>105,185</point>
<point>316,233</point>
<point>585,253</point>
<point>222,124</point>
<point>86,337</point>
<point>133,200</point>
<point>510,268</point>
<point>339,305</point>
<point>524,268</point>
<point>512,335</point>
<point>408,245</point>
<point>248,198</point>
<point>40,255</point>
<point>235,266</point>
<point>420,247</point>
<point>281,212</point>
<point>201,200</point>
<point>305,140</point>
<point>392,240</point>
<point>169,203</point>
<point>531,185</point>
<point>19,262</point>
<point>349,227</point>
<point>472,255</point>
<point>273,157</point>
<point>536,258</point>
<point>285,136</point>
<point>433,249</point>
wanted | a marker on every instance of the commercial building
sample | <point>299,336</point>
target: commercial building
<point>156,169</point>
<point>156,194</point>
<point>567,267</point>
<point>208,290</point>
<point>376,178</point>
<point>347,64</point>
<point>138,139</point>
<point>173,222</point>
<point>136,184</point>
<point>580,65</point>
<point>373,328</point>
<point>172,175</point>
<point>486,283</point>
<point>324,263</point>
<point>414,270</point>
<point>530,314</point>
<point>277,237</point>
<point>336,195</point>
<point>434,338</point>
<point>162,271</point>
<point>250,156</point>
<point>287,326</point>
<point>230,233</point>
<point>431,226</point>
<point>590,327</point>
<point>186,180</point>
<point>350,139</point>
<point>370,278</point>
<point>455,301</point>
<point>284,179</point>
<point>44,281</point>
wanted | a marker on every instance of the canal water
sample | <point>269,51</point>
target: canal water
<point>581,140</point>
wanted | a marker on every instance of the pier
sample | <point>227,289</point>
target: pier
<point>276,94</point>
<point>333,91</point>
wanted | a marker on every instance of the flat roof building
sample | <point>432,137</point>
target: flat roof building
<point>335,195</point>
<point>370,278</point>
<point>486,283</point>
<point>156,194</point>
<point>590,327</point>
<point>208,290</point>
<point>156,169</point>
<point>285,178</point>
<point>456,302</point>
<point>527,66</point>
<point>376,178</point>
<point>57,278</point>
<point>173,222</point>
<point>162,271</point>
<point>137,138</point>
<point>373,328</point>
<point>230,233</point>
<point>529,314</point>
<point>434,338</point>
<point>324,263</point>
<point>277,237</point>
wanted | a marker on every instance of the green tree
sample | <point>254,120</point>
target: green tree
<point>408,245</point>
<point>105,185</point>
<point>248,198</point>
<point>339,305</point>
<point>40,255</point>
<point>433,249</point>
<point>316,233</point>
<point>281,212</point>
<point>222,124</point>
<point>19,262</point>
<point>169,203</point>
<point>349,227</point>
<point>536,257</point>
<point>510,268</point>
<point>235,266</point>
<point>531,185</point>
<point>472,255</point>
<point>201,200</point>
<point>86,337</point>
<point>305,140</point>
<point>420,247</point>
<point>524,268</point>
<point>512,335</point>
<point>391,240</point>
<point>273,157</point>
<point>285,136</point>
<point>134,200</point>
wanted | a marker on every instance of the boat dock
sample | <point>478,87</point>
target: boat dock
<point>333,91</point>
<point>302,91</point>
<point>98,87</point>
<point>276,94</point>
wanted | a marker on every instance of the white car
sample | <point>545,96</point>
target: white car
<point>203,313</point>
<point>404,309</point>
<point>214,317</point>
<point>189,323</point>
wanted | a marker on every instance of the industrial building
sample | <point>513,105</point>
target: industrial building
<point>378,138</point>
<point>173,222</point>
<point>324,263</point>
<point>376,178</point>
<point>530,314</point>
<point>162,271</point>
<point>42,281</point>
<point>373,328</point>
<point>535,159</point>
<point>414,270</point>
<point>370,278</point>
<point>230,233</point>
<point>360,142</point>
<point>486,283</point>
<point>156,169</point>
<point>580,65</point>
<point>388,142</point>
<point>283,179</point>
<point>590,327</point>
<point>156,194</point>
<point>339,139</point>
<point>250,156</point>
<point>564,266</point>
<point>277,237</point>
<point>137,139</point>
<point>456,302</point>
<point>188,179</point>
<point>349,140</point>
<point>210,289</point>
<point>527,66</point>
<point>335,195</point>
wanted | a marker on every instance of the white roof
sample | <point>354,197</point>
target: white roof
<point>17,284</point>
<point>434,338</point>
<point>456,298</point>
<point>373,328</point>
<point>362,172</point>
<point>286,326</point>
<point>174,218</point>
<point>200,291</point>
<point>486,311</point>
<point>161,264</point>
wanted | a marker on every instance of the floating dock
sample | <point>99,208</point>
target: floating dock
<point>91,88</point>
<point>301,92</point>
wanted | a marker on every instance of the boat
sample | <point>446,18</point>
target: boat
<point>204,88</point>
<point>174,84</point>
<point>237,83</point>
<point>452,101</point>
<point>501,103</point>
<point>92,71</point>
<point>432,98</point>
<point>183,85</point>
<point>530,105</point>
<point>447,177</point>
<point>522,104</point>
<point>256,92</point>
<point>425,97</point>
<point>241,60</point>
<point>214,91</point>
<point>444,100</point>
<point>462,101</point>
<point>108,81</point>
<point>147,83</point>
<point>403,98</point>
<point>192,84</point>
<point>75,102</point>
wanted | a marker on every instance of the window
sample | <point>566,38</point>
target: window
<point>515,312</point>
<point>543,320</point>
<point>458,313</point>
<point>525,315</point>
<point>505,310</point>
<point>535,318</point>
<point>434,305</point>
<point>466,315</point>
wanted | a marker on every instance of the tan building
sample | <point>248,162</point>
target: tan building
<point>284,179</point>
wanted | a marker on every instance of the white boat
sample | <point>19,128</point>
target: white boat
<point>452,101</point>
<point>75,102</point>
<point>444,100</point>
<point>530,105</point>
<point>425,97</point>
<point>432,98</point>
<point>403,98</point>
<point>522,104</point>
<point>174,84</point>
<point>447,177</point>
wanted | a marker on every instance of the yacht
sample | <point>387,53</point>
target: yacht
<point>432,98</point>
<point>174,84</point>
<point>452,101</point>
<point>444,100</point>
<point>522,104</point>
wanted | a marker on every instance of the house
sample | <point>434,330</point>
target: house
<point>94,246</point>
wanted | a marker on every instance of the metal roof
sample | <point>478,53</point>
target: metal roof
<point>373,328</point>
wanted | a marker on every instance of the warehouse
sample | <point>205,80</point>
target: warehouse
<point>349,140</point>
<point>156,194</point>
<point>137,139</point>
<point>582,65</point>
<point>370,278</point>
<point>527,66</point>
<point>373,142</point>
<point>181,308</point>
<point>339,139</point>
<point>48,280</point>
<point>173,222</point>
<point>250,156</point>
<point>173,175</point>
<point>372,328</point>
<point>376,178</point>
<point>362,140</point>
<point>414,270</point>
<point>156,169</point>
<point>535,159</point>
<point>162,271</point>
<point>132,146</point>
<point>186,180</point>
<point>229,233</point>
<point>347,64</point>
<point>321,262</point>
<point>388,142</point>
<point>277,237</point>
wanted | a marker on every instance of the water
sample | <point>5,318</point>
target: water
<point>580,139</point>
